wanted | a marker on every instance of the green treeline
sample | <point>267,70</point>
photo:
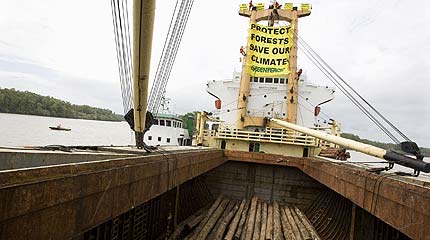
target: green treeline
<point>14,101</point>
<point>386,146</point>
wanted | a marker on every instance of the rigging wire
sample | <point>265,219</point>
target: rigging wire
<point>161,62</point>
<point>349,86</point>
<point>123,48</point>
<point>126,60</point>
<point>129,56</point>
<point>121,77</point>
<point>330,74</point>
<point>169,53</point>
<point>182,29</point>
<point>349,96</point>
<point>176,48</point>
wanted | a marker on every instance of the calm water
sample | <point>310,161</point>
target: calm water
<point>26,130</point>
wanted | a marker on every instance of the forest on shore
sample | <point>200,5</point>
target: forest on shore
<point>25,102</point>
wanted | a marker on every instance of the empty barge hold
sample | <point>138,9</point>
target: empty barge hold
<point>120,193</point>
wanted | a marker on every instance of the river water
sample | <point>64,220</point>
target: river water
<point>27,130</point>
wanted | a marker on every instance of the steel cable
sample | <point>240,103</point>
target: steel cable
<point>310,54</point>
<point>349,86</point>
<point>123,49</point>
<point>162,62</point>
<point>169,55</point>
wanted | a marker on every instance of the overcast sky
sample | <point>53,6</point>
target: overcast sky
<point>66,49</point>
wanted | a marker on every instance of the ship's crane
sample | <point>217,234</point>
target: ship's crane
<point>141,113</point>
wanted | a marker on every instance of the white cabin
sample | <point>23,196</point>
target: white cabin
<point>268,98</point>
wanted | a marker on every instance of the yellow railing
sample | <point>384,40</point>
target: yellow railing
<point>273,135</point>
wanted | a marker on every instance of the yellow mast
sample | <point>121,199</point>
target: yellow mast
<point>290,14</point>
<point>293,79</point>
<point>244,85</point>
<point>143,24</point>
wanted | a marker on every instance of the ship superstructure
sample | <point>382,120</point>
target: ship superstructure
<point>269,86</point>
<point>263,108</point>
<point>268,98</point>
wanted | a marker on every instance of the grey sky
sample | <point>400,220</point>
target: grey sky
<point>66,49</point>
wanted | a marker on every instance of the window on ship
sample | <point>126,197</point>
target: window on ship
<point>281,81</point>
<point>276,80</point>
<point>261,80</point>
<point>149,138</point>
<point>159,139</point>
<point>168,123</point>
<point>155,121</point>
<point>269,80</point>
<point>168,140</point>
<point>161,122</point>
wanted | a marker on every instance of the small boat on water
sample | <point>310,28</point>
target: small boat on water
<point>60,128</point>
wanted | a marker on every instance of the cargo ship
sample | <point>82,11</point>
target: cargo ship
<point>259,169</point>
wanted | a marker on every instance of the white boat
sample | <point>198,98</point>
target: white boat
<point>168,130</point>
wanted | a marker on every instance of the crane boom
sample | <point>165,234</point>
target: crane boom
<point>389,155</point>
<point>143,25</point>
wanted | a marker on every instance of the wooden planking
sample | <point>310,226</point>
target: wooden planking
<point>262,221</point>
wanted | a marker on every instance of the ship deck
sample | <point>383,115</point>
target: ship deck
<point>86,189</point>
